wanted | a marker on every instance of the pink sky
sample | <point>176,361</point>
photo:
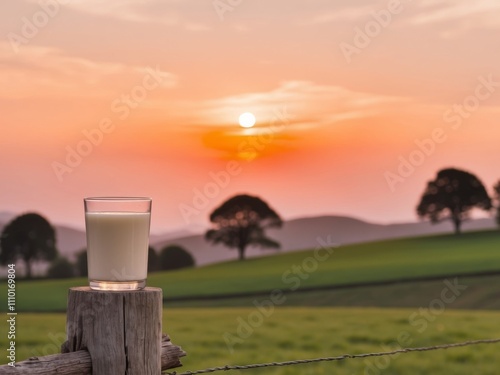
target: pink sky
<point>158,86</point>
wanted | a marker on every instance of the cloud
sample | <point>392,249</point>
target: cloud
<point>309,104</point>
<point>47,72</point>
<point>129,10</point>
<point>345,14</point>
<point>444,10</point>
<point>469,14</point>
<point>193,26</point>
<point>285,115</point>
<point>457,16</point>
<point>166,12</point>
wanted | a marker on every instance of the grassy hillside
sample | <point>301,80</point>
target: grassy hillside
<point>415,257</point>
<point>385,260</point>
<point>478,293</point>
<point>299,333</point>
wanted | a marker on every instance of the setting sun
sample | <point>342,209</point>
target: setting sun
<point>246,120</point>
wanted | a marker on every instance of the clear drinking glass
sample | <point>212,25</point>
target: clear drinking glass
<point>117,242</point>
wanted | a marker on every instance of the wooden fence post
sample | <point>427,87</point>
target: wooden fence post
<point>121,330</point>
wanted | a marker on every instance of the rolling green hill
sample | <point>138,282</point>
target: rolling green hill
<point>366,263</point>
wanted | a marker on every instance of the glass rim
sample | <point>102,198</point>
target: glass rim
<point>116,199</point>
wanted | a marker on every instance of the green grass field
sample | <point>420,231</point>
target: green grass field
<point>306,325</point>
<point>385,260</point>
<point>481,293</point>
<point>299,333</point>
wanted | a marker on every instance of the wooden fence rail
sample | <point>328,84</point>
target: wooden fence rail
<point>80,362</point>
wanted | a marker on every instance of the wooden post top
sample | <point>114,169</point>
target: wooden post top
<point>87,289</point>
<point>109,333</point>
<point>121,330</point>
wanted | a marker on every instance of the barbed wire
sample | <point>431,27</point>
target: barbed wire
<point>338,358</point>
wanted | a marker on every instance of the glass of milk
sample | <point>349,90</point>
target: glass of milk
<point>117,242</point>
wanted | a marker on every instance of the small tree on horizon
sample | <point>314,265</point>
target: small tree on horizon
<point>28,237</point>
<point>61,268</point>
<point>451,196</point>
<point>496,188</point>
<point>153,260</point>
<point>241,221</point>
<point>81,265</point>
<point>174,257</point>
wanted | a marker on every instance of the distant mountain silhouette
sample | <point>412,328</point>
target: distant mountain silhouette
<point>6,216</point>
<point>300,234</point>
<point>70,240</point>
<point>169,236</point>
<point>297,234</point>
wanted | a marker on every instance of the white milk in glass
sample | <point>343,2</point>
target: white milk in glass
<point>117,245</point>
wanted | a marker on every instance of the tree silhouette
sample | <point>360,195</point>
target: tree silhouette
<point>173,257</point>
<point>81,265</point>
<point>61,268</point>
<point>241,221</point>
<point>451,196</point>
<point>153,260</point>
<point>28,237</point>
<point>497,201</point>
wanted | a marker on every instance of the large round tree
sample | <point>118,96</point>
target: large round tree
<point>28,237</point>
<point>241,221</point>
<point>451,196</point>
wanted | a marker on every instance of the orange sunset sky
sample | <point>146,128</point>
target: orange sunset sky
<point>142,97</point>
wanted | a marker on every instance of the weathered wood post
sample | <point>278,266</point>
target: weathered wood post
<point>108,333</point>
<point>122,330</point>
